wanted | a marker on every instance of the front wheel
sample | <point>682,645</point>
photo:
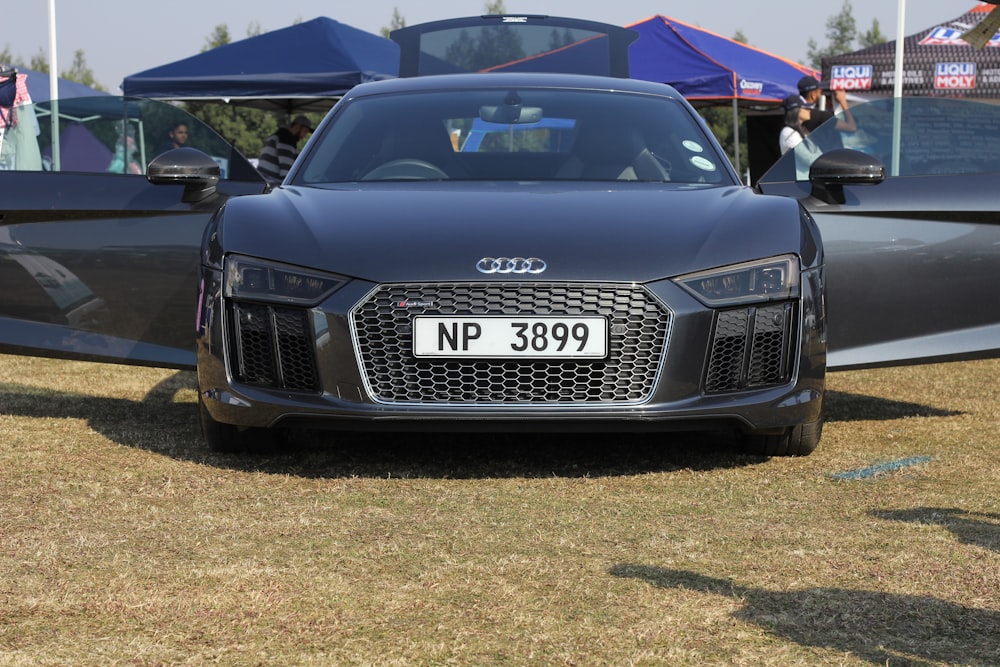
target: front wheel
<point>798,440</point>
<point>229,439</point>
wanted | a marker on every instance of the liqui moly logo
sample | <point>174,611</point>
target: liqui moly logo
<point>851,77</point>
<point>751,87</point>
<point>944,36</point>
<point>954,76</point>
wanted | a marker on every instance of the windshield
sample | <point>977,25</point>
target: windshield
<point>935,136</point>
<point>533,134</point>
<point>108,134</point>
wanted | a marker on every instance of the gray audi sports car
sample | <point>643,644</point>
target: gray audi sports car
<point>487,244</point>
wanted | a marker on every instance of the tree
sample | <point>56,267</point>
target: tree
<point>219,37</point>
<point>39,62</point>
<point>872,37</point>
<point>80,73</point>
<point>7,58</point>
<point>396,23</point>
<point>841,32</point>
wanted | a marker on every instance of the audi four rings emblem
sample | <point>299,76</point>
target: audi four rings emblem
<point>510,265</point>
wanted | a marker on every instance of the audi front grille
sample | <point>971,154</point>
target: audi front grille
<point>638,328</point>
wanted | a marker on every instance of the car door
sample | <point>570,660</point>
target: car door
<point>96,262</point>
<point>912,261</point>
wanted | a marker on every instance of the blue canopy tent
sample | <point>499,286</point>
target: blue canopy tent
<point>39,89</point>
<point>303,67</point>
<point>709,69</point>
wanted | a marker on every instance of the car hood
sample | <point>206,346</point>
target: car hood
<point>439,232</point>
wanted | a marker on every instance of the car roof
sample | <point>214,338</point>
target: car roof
<point>522,80</point>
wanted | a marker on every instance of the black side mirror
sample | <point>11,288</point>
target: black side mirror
<point>842,166</point>
<point>197,172</point>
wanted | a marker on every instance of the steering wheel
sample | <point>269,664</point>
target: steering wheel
<point>406,169</point>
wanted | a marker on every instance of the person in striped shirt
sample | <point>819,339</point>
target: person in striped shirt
<point>281,148</point>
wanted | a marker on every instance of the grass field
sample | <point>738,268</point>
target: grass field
<point>123,541</point>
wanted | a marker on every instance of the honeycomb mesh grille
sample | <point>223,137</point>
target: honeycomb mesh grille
<point>750,348</point>
<point>272,346</point>
<point>638,328</point>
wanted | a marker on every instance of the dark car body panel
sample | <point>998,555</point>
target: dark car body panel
<point>911,260</point>
<point>908,270</point>
<point>132,247</point>
<point>104,266</point>
<point>359,231</point>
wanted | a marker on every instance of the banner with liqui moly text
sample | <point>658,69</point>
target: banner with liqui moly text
<point>851,77</point>
<point>936,62</point>
<point>951,36</point>
<point>954,76</point>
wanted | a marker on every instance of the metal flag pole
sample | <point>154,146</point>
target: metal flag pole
<point>897,88</point>
<point>54,86</point>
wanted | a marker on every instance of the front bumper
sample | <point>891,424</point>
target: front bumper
<point>674,364</point>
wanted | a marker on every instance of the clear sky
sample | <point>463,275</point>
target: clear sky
<point>123,37</point>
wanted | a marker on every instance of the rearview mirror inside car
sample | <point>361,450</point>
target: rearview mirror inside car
<point>510,114</point>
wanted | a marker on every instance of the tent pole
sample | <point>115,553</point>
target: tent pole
<point>736,139</point>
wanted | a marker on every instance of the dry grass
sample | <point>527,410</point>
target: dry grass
<point>123,541</point>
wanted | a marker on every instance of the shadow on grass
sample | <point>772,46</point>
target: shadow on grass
<point>981,529</point>
<point>841,407</point>
<point>162,425</point>
<point>883,628</point>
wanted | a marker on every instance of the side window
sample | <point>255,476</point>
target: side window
<point>108,134</point>
<point>925,136</point>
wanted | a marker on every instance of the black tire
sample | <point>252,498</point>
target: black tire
<point>798,440</point>
<point>229,439</point>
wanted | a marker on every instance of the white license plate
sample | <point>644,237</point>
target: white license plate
<point>511,337</point>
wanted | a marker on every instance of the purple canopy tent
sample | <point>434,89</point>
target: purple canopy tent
<point>709,69</point>
<point>80,150</point>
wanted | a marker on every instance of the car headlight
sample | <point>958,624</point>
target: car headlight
<point>261,280</point>
<point>774,279</point>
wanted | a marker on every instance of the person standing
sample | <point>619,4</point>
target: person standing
<point>793,132</point>
<point>176,138</point>
<point>281,148</point>
<point>794,136</point>
<point>810,93</point>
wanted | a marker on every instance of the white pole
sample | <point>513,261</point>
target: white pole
<point>54,86</point>
<point>897,88</point>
